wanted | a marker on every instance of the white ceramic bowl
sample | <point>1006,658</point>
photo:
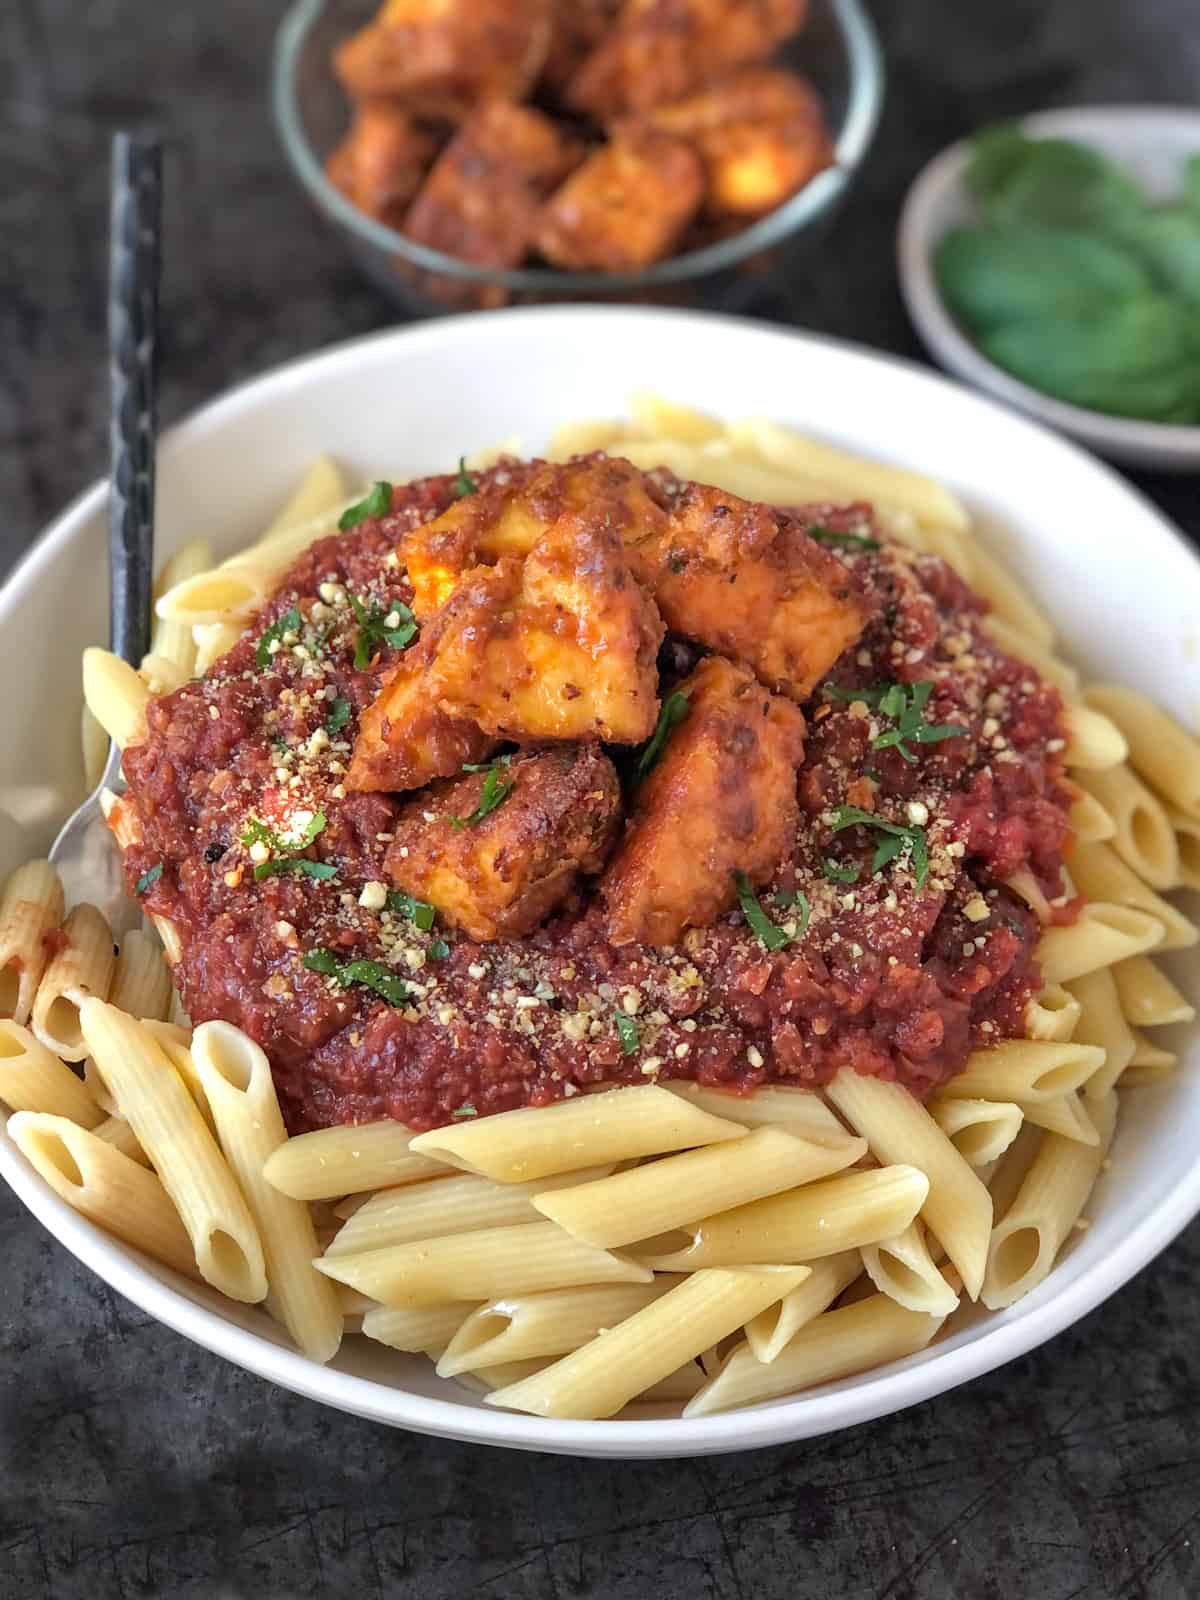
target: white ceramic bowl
<point>412,401</point>
<point>1152,142</point>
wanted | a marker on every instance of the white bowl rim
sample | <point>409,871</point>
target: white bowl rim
<point>1009,1334</point>
<point>1132,439</point>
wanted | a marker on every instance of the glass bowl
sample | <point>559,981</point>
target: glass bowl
<point>838,49</point>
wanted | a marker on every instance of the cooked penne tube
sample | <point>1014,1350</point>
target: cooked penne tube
<point>161,674</point>
<point>152,1098</point>
<point>1100,874</point>
<point>804,1224</point>
<point>456,1203</point>
<point>481,1265</point>
<point>771,1330</point>
<point>1056,1188</point>
<point>213,640</point>
<point>116,695</point>
<point>583,437</point>
<point>31,906</point>
<point>1024,1070</point>
<point>1144,838</point>
<point>611,1369</point>
<point>897,1127</point>
<point>775,1105</point>
<point>1052,1014</point>
<point>659,418</point>
<point>417,1328</point>
<point>237,1083</point>
<point>125,828</point>
<point>1008,1174</point>
<point>1102,1023</point>
<point>346,1160</point>
<point>176,1015</point>
<point>1047,665</point>
<point>81,969</point>
<point>665,1194</point>
<point>1094,743</point>
<point>903,1269</point>
<point>1148,997</point>
<point>115,1131</point>
<point>93,744</point>
<point>32,1078</point>
<point>141,981</point>
<point>489,1378</point>
<point>1163,751</point>
<point>1103,934</point>
<point>1148,1064</point>
<point>734,472</point>
<point>175,1042</point>
<point>228,593</point>
<point>173,641</point>
<point>837,1344</point>
<point>519,1327</point>
<point>980,1130</point>
<point>321,491</point>
<point>1090,823</point>
<point>1066,1114</point>
<point>588,1131</point>
<point>1187,838</point>
<point>97,1088</point>
<point>104,1185</point>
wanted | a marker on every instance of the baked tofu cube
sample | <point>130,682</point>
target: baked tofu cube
<point>380,163</point>
<point>440,58</point>
<point>661,50</point>
<point>579,26</point>
<point>483,195</point>
<point>625,206</point>
<point>747,581</point>
<point>721,800</point>
<point>501,874</point>
<point>561,645</point>
<point>405,739</point>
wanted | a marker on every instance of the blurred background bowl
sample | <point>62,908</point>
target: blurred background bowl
<point>838,50</point>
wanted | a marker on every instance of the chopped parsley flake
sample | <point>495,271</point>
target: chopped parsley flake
<point>148,878</point>
<point>497,787</point>
<point>374,627</point>
<point>339,716</point>
<point>438,950</point>
<point>837,873</point>
<point>419,912</point>
<point>285,853</point>
<point>289,622</point>
<point>369,974</point>
<point>769,933</point>
<point>786,899</point>
<point>466,1110</point>
<point>464,484</point>
<point>896,839</point>
<point>907,705</point>
<point>375,504</point>
<point>855,541</point>
<point>671,713</point>
<point>628,1032</point>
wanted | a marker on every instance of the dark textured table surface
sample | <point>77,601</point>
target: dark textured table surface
<point>133,1464</point>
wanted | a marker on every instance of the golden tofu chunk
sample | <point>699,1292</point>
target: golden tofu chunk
<point>747,581</point>
<point>721,800</point>
<point>380,163</point>
<point>579,26</point>
<point>561,645</point>
<point>501,874</point>
<point>483,195</point>
<point>405,739</point>
<point>625,207</point>
<point>440,58</point>
<point>661,50</point>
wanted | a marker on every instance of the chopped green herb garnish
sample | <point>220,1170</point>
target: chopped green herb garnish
<point>897,839</point>
<point>376,504</point>
<point>289,622</point>
<point>463,484</point>
<point>467,1110</point>
<point>497,787</point>
<point>285,853</point>
<point>671,713</point>
<point>628,1032</point>
<point>419,912</point>
<point>789,899</point>
<point>148,878</point>
<point>769,933</point>
<point>1015,925</point>
<point>906,703</point>
<point>370,974</point>
<point>837,873</point>
<point>339,716</point>
<point>375,626</point>
<point>438,950</point>
<point>855,541</point>
<point>282,866</point>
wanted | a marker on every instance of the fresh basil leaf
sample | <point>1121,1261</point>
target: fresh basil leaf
<point>996,153</point>
<point>376,504</point>
<point>1167,241</point>
<point>1059,182</point>
<point>289,622</point>
<point>990,276</point>
<point>148,878</point>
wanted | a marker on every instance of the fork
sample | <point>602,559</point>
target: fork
<point>87,859</point>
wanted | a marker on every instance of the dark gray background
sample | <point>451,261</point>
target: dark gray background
<point>133,1464</point>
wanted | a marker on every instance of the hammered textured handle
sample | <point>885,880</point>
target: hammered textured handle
<point>132,344</point>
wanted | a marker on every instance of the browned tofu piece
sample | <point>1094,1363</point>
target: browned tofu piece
<point>405,739</point>
<point>625,206</point>
<point>721,800</point>
<point>501,875</point>
<point>441,58</point>
<point>560,645</point>
<point>747,581</point>
<point>579,26</point>
<point>380,163</point>
<point>512,510</point>
<point>483,195</point>
<point>661,50</point>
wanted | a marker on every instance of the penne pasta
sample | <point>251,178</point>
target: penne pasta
<point>161,674</point>
<point>481,1265</point>
<point>173,641</point>
<point>771,1331</point>
<point>141,980</point>
<point>1090,823</point>
<point>774,1105</point>
<point>347,1160</point>
<point>80,970</point>
<point>583,437</point>
<point>151,1097</point>
<point>980,1130</point>
<point>1024,1070</point>
<point>1164,753</point>
<point>903,1269</point>
<point>665,1194</point>
<point>1143,837</point>
<point>1052,1014</point>
<point>588,1131</point>
<point>1187,838</point>
<point>31,906</point>
<point>125,829</point>
<point>321,491</point>
<point>1008,1174</point>
<point>238,1086</point>
<point>1148,1064</point>
<point>1102,1023</point>
<point>417,1328</point>
<point>213,640</point>
<point>93,1176</point>
<point>33,1078</point>
<point>519,1327</point>
<point>659,418</point>
<point>1047,665</point>
<point>958,1209</point>
<point>1007,597</point>
<point>1100,874</point>
<point>1027,1241</point>
<point>1066,1114</point>
<point>94,746</point>
<point>837,1344</point>
<point>1103,934</point>
<point>611,1369</point>
<point>804,1224</point>
<point>175,1043</point>
<point>1148,997</point>
<point>116,696</point>
<point>1094,743</point>
<point>115,1131</point>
